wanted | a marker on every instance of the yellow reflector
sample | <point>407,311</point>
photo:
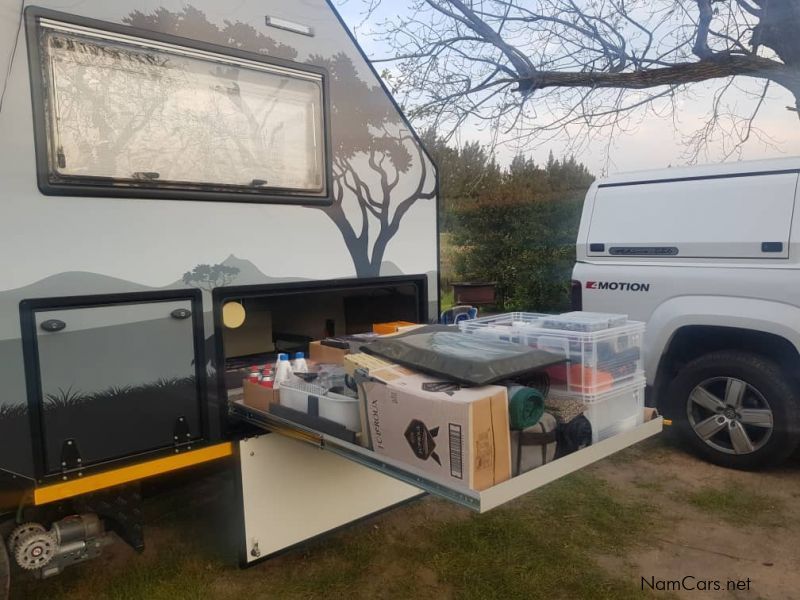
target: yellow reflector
<point>233,315</point>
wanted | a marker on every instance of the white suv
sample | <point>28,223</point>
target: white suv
<point>707,257</point>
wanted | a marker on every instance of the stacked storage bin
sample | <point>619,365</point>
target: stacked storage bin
<point>604,353</point>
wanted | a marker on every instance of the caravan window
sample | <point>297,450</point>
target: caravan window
<point>127,112</point>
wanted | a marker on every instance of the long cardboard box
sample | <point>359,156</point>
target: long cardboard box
<point>459,434</point>
<point>367,363</point>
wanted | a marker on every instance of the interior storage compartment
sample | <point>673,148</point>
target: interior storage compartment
<point>288,317</point>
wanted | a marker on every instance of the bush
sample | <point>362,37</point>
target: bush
<point>522,234</point>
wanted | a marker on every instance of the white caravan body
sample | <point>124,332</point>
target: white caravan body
<point>252,138</point>
<point>153,156</point>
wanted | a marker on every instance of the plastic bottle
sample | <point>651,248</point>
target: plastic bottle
<point>265,376</point>
<point>283,370</point>
<point>255,375</point>
<point>299,364</point>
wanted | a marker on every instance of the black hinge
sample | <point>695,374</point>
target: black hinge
<point>70,458</point>
<point>181,436</point>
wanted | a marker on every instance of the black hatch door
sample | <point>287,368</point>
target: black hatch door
<point>112,378</point>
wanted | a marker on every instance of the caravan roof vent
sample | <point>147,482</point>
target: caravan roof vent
<point>279,23</point>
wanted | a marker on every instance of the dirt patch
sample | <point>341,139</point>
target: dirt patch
<point>720,525</point>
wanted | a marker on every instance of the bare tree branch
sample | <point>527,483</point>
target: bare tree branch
<point>585,67</point>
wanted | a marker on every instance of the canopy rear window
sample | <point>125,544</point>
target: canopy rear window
<point>129,112</point>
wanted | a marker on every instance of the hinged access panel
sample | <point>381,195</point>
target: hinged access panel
<point>110,378</point>
<point>292,492</point>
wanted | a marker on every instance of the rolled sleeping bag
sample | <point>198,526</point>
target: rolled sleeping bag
<point>525,406</point>
<point>573,435</point>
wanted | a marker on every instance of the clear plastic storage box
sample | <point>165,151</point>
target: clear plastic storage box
<point>584,321</point>
<point>508,327</point>
<point>615,411</point>
<point>600,359</point>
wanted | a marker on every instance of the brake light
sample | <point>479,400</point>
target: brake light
<point>576,295</point>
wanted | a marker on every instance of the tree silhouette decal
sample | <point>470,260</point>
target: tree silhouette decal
<point>209,277</point>
<point>374,156</point>
<point>379,170</point>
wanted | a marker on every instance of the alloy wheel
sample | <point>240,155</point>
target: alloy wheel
<point>730,415</point>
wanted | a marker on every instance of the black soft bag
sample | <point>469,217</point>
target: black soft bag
<point>573,436</point>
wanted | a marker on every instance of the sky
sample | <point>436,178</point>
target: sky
<point>654,143</point>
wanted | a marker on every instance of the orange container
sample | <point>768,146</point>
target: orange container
<point>601,381</point>
<point>387,328</point>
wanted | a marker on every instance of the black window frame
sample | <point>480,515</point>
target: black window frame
<point>113,188</point>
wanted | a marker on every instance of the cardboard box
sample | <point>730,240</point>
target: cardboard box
<point>259,397</point>
<point>373,366</point>
<point>319,353</point>
<point>461,435</point>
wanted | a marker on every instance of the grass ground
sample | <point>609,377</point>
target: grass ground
<point>650,511</point>
<point>540,546</point>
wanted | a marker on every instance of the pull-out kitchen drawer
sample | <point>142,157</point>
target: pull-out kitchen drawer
<point>479,501</point>
<point>322,482</point>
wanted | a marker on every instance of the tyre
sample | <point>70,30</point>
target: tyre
<point>735,409</point>
<point>5,571</point>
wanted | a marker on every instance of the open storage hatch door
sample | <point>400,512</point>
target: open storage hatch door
<point>113,377</point>
<point>292,492</point>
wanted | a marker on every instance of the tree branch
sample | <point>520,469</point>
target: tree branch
<point>756,12</point>
<point>716,66</point>
<point>701,48</point>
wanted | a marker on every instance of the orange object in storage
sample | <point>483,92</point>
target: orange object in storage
<point>392,327</point>
<point>574,377</point>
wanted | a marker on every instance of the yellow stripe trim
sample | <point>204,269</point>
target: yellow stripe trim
<point>92,483</point>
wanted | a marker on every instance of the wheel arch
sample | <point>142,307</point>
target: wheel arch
<point>677,333</point>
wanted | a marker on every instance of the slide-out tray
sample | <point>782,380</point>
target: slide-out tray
<point>479,501</point>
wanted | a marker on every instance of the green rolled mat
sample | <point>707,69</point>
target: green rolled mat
<point>525,406</point>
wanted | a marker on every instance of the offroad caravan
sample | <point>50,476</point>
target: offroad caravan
<point>160,163</point>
